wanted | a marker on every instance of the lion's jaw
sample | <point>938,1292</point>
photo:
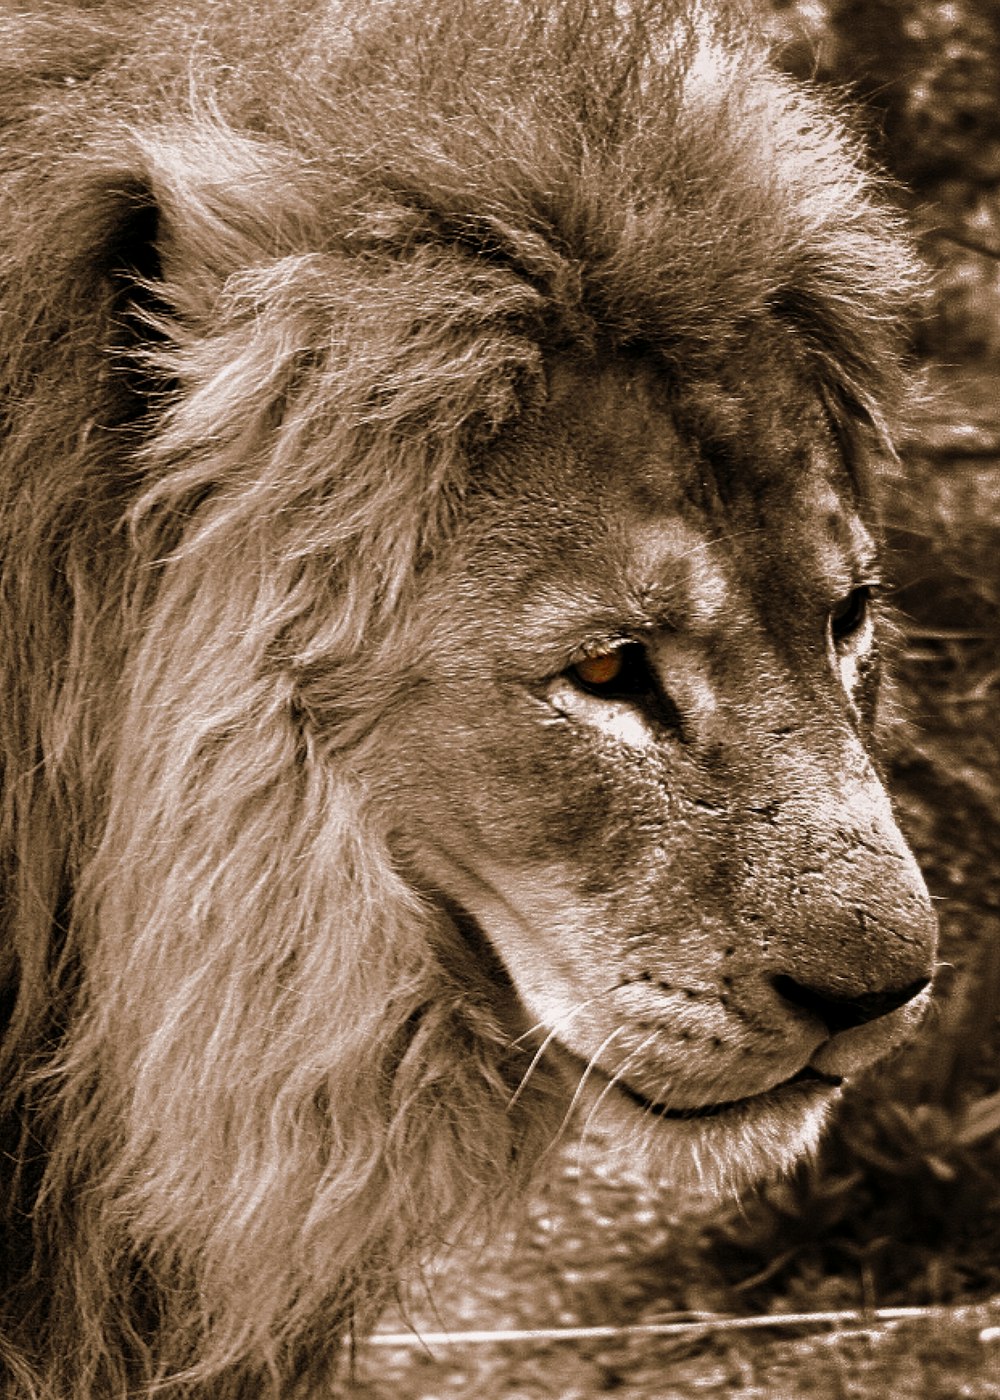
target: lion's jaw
<point>699,893</point>
<point>632,1055</point>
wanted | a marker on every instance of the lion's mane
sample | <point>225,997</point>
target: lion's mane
<point>271,282</point>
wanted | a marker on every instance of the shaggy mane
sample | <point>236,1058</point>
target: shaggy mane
<point>272,283</point>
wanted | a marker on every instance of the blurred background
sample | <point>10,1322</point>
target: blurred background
<point>903,1208</point>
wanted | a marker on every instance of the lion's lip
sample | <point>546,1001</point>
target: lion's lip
<point>806,1075</point>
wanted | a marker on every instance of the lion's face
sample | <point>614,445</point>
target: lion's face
<point>638,759</point>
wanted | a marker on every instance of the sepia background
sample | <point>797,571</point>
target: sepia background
<point>903,1209</point>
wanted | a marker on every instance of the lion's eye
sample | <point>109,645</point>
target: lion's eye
<point>599,670</point>
<point>619,674</point>
<point>849,616</point>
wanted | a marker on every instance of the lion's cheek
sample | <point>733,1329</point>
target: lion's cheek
<point>523,783</point>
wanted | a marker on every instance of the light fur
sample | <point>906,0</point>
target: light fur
<point>272,285</point>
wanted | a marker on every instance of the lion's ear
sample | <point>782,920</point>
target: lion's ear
<point>144,232</point>
<point>225,203</point>
<point>75,313</point>
<point>126,265</point>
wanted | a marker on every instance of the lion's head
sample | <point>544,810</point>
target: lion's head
<point>441,602</point>
<point>635,756</point>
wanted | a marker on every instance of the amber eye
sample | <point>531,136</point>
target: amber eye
<point>599,670</point>
<point>621,674</point>
<point>625,674</point>
<point>849,615</point>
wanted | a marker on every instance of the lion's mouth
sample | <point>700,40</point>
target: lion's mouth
<point>475,938</point>
<point>806,1075</point>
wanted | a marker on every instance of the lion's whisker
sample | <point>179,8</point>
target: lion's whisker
<point>613,1079</point>
<point>592,1064</point>
<point>563,1021</point>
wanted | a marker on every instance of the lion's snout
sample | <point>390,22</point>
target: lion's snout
<point>857,957</point>
<point>851,929</point>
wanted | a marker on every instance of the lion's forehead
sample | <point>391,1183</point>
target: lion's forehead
<point>620,518</point>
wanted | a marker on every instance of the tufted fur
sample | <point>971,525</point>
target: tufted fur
<point>273,278</point>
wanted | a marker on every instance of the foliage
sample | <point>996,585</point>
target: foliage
<point>928,74</point>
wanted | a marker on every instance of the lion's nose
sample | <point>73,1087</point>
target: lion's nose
<point>842,1013</point>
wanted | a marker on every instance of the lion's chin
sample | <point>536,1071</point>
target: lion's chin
<point>717,1151</point>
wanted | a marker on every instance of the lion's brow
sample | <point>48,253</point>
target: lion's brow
<point>655,598</point>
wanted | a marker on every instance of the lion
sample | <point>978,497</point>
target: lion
<point>441,615</point>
